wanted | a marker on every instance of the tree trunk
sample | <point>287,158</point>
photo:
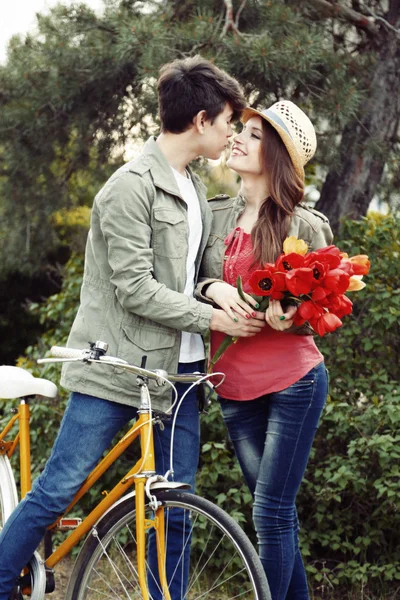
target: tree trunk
<point>366,141</point>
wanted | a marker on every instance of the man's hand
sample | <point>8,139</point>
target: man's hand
<point>241,327</point>
<point>276,318</point>
<point>227,297</point>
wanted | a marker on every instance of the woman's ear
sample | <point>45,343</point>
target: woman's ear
<point>199,121</point>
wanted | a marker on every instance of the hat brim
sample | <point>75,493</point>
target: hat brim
<point>286,139</point>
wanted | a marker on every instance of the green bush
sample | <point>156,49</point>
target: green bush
<point>349,502</point>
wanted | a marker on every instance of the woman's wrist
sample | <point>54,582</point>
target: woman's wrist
<point>206,290</point>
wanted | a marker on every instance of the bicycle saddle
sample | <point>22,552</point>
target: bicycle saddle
<point>17,383</point>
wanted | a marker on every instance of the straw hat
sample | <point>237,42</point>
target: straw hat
<point>294,127</point>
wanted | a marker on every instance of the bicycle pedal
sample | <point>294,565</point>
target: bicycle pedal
<point>67,524</point>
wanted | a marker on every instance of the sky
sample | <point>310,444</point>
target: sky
<point>18,16</point>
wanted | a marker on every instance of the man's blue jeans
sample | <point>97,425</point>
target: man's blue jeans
<point>87,429</point>
<point>272,437</point>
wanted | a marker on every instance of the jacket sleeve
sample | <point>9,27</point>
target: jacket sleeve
<point>200,289</point>
<point>322,237</point>
<point>125,221</point>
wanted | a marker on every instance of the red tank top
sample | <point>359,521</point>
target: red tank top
<point>269,361</point>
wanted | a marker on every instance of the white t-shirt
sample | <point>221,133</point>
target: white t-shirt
<point>192,347</point>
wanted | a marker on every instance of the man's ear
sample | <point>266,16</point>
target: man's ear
<point>199,121</point>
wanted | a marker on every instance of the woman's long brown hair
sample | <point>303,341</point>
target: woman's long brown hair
<point>286,190</point>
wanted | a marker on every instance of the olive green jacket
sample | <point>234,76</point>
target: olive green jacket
<point>135,273</point>
<point>306,224</point>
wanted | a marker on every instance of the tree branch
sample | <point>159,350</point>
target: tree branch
<point>337,10</point>
<point>239,12</point>
<point>229,20</point>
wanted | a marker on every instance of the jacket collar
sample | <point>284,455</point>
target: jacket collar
<point>153,160</point>
<point>239,204</point>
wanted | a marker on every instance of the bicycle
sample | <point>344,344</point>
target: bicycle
<point>112,560</point>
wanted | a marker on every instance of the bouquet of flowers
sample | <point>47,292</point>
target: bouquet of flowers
<point>316,282</point>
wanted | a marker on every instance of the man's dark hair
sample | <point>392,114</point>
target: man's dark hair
<point>187,86</point>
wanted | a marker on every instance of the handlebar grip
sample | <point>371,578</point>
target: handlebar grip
<point>61,352</point>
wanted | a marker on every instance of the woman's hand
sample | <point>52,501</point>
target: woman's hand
<point>227,297</point>
<point>274,314</point>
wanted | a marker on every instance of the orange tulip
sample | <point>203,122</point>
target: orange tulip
<point>360,264</point>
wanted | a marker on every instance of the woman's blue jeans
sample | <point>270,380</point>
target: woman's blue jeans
<point>87,429</point>
<point>272,437</point>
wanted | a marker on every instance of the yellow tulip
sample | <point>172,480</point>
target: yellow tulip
<point>355,284</point>
<point>292,244</point>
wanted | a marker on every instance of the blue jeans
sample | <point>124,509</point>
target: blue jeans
<point>272,437</point>
<point>87,429</point>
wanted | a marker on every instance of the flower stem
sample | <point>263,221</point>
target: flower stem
<point>226,342</point>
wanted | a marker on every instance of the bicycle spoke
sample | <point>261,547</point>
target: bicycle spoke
<point>180,559</point>
<point>115,569</point>
<point>214,587</point>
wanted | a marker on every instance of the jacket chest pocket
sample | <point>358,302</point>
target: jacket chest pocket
<point>169,233</point>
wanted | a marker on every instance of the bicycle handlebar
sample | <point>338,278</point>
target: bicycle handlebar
<point>62,354</point>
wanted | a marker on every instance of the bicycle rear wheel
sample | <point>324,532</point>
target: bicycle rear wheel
<point>8,490</point>
<point>223,562</point>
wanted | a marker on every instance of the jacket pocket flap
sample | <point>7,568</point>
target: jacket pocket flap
<point>149,338</point>
<point>166,215</point>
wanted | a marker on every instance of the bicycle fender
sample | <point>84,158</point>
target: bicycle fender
<point>163,486</point>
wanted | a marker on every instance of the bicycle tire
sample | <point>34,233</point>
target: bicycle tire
<point>105,569</point>
<point>8,490</point>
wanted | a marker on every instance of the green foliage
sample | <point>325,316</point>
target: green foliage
<point>56,316</point>
<point>72,226</point>
<point>349,502</point>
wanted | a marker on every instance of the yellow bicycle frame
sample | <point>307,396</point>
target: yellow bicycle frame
<point>23,438</point>
<point>138,475</point>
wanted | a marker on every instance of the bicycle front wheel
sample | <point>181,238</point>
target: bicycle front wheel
<point>222,564</point>
<point>8,490</point>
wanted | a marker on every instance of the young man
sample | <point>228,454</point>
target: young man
<point>149,228</point>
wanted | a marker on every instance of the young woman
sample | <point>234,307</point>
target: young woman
<point>276,382</point>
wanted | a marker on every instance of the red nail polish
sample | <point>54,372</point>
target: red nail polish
<point>253,314</point>
<point>247,316</point>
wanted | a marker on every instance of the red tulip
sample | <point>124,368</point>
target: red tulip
<point>319,271</point>
<point>267,282</point>
<point>331,259</point>
<point>309,310</point>
<point>327,323</point>
<point>346,266</point>
<point>332,250</point>
<point>339,304</point>
<point>320,294</point>
<point>299,281</point>
<point>337,280</point>
<point>287,262</point>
